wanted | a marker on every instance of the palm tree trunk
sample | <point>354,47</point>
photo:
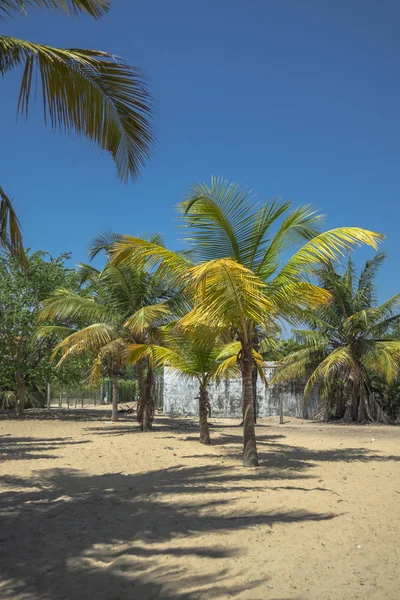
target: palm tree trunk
<point>148,408</point>
<point>254,377</point>
<point>114,414</point>
<point>203,411</point>
<point>250,457</point>
<point>20,404</point>
<point>141,391</point>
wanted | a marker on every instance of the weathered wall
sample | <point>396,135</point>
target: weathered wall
<point>180,397</point>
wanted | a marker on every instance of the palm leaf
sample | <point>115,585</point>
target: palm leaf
<point>10,231</point>
<point>325,247</point>
<point>65,304</point>
<point>88,92</point>
<point>95,8</point>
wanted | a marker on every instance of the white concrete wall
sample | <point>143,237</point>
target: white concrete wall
<point>181,397</point>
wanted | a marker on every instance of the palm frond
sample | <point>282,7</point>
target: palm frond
<point>88,92</point>
<point>10,231</point>
<point>327,246</point>
<point>95,8</point>
<point>333,365</point>
<point>146,318</point>
<point>90,339</point>
<point>220,218</point>
<point>65,304</point>
<point>226,294</point>
<point>165,264</point>
<point>87,273</point>
<point>299,226</point>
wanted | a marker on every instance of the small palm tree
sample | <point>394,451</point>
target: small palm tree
<point>114,303</point>
<point>348,343</point>
<point>247,284</point>
<point>191,356</point>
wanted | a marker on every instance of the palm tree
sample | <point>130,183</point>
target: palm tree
<point>348,343</point>
<point>235,271</point>
<point>88,92</point>
<point>191,356</point>
<point>115,301</point>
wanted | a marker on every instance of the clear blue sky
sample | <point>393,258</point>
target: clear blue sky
<point>299,100</point>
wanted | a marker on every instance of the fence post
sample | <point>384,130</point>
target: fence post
<point>48,395</point>
<point>60,401</point>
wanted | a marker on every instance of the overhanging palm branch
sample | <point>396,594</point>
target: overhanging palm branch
<point>95,8</point>
<point>10,231</point>
<point>89,92</point>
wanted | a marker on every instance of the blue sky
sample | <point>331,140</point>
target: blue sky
<point>298,100</point>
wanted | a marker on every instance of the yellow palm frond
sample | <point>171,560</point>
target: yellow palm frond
<point>327,246</point>
<point>226,294</point>
<point>89,339</point>
<point>146,318</point>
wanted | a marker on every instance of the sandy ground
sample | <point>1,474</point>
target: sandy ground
<point>93,510</point>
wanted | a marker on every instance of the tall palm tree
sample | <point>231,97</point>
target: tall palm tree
<point>348,342</point>
<point>251,285</point>
<point>88,92</point>
<point>115,301</point>
<point>190,355</point>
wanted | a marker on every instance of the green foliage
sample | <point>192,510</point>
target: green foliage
<point>22,292</point>
<point>349,340</point>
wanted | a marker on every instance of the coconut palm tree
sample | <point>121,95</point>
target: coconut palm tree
<point>251,285</point>
<point>190,355</point>
<point>88,92</point>
<point>109,313</point>
<point>349,341</point>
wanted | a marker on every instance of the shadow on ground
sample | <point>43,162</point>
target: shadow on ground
<point>65,534</point>
<point>26,448</point>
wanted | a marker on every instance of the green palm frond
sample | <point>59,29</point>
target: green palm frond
<point>334,365</point>
<point>365,294</point>
<point>90,339</point>
<point>220,218</point>
<point>95,8</point>
<point>65,304</point>
<point>52,331</point>
<point>88,92</point>
<point>103,243</point>
<point>310,337</point>
<point>372,317</point>
<point>298,226</point>
<point>10,231</point>
<point>87,273</point>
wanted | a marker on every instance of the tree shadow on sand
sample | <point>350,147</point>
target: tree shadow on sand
<point>65,534</point>
<point>26,448</point>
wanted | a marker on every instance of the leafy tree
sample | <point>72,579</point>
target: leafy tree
<point>349,341</point>
<point>88,92</point>
<point>235,271</point>
<point>25,366</point>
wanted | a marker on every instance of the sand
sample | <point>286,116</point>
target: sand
<point>94,510</point>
